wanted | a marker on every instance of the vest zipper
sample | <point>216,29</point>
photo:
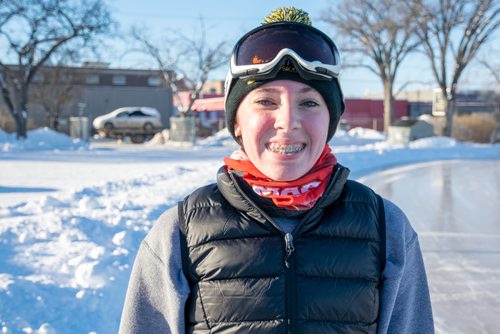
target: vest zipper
<point>289,283</point>
<point>289,248</point>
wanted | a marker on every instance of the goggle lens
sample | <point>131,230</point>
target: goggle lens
<point>263,45</point>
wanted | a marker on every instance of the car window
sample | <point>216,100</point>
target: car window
<point>138,113</point>
<point>122,114</point>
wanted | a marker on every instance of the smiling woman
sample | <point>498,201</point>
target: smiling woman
<point>283,242</point>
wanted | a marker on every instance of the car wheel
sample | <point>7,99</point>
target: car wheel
<point>148,127</point>
<point>137,139</point>
<point>108,126</point>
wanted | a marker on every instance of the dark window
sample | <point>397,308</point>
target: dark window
<point>119,80</point>
<point>138,113</point>
<point>92,79</point>
<point>154,81</point>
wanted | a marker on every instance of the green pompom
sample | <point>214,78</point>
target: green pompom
<point>288,14</point>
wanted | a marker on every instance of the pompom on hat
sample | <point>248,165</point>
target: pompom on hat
<point>237,88</point>
<point>288,14</point>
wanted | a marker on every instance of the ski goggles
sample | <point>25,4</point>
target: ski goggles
<point>261,53</point>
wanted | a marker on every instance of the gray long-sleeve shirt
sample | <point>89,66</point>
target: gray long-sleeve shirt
<point>158,289</point>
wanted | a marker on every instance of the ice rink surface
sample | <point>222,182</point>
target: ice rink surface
<point>455,208</point>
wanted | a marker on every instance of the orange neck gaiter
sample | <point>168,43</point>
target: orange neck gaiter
<point>300,194</point>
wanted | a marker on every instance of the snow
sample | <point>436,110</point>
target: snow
<point>72,215</point>
<point>40,139</point>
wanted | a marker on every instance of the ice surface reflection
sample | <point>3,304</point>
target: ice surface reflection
<point>455,208</point>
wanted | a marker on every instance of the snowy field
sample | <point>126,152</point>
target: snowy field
<point>72,216</point>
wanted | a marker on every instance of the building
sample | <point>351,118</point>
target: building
<point>208,109</point>
<point>430,101</point>
<point>419,101</point>
<point>467,102</point>
<point>369,113</point>
<point>215,87</point>
<point>96,89</point>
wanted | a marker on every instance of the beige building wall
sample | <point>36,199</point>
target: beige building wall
<point>213,87</point>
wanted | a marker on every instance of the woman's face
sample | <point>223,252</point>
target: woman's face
<point>283,127</point>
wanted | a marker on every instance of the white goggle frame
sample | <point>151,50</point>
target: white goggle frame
<point>256,70</point>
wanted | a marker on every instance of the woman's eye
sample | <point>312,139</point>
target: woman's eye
<point>309,103</point>
<point>264,102</point>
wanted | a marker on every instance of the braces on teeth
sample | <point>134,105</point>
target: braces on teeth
<point>285,149</point>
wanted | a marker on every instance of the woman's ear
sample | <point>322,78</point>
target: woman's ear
<point>237,134</point>
<point>237,129</point>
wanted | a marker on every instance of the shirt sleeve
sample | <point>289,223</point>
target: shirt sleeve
<point>157,289</point>
<point>405,300</point>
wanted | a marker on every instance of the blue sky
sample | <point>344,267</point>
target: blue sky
<point>228,20</point>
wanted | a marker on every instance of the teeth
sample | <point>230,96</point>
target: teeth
<point>284,149</point>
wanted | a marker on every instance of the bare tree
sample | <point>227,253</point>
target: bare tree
<point>451,33</point>
<point>185,60</point>
<point>493,69</point>
<point>380,31</point>
<point>56,89</point>
<point>32,30</point>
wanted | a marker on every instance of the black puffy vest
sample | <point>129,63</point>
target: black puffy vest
<point>248,276</point>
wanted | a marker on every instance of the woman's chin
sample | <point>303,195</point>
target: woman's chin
<point>283,173</point>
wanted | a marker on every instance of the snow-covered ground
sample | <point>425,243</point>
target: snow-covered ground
<point>72,216</point>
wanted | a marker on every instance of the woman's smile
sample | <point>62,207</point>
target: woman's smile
<point>285,149</point>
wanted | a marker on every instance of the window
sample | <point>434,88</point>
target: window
<point>38,77</point>
<point>92,79</point>
<point>119,80</point>
<point>123,114</point>
<point>154,81</point>
<point>65,77</point>
<point>138,113</point>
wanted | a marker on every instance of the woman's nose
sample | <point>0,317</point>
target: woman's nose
<point>287,117</point>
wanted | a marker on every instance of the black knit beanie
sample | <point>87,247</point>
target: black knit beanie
<point>329,89</point>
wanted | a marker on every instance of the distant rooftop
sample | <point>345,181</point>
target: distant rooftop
<point>95,64</point>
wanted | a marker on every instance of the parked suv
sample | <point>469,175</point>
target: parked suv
<point>138,123</point>
<point>134,119</point>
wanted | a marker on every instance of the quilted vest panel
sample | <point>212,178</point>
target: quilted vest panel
<point>244,281</point>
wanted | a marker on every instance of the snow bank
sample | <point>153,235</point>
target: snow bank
<point>221,138</point>
<point>433,142</point>
<point>4,136</point>
<point>356,137</point>
<point>42,139</point>
<point>366,133</point>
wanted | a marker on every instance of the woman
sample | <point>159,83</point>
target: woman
<point>283,242</point>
